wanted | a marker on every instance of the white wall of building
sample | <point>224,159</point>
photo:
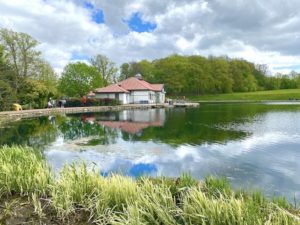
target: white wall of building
<point>142,96</point>
<point>123,97</point>
<point>105,95</point>
<point>135,97</point>
<point>160,97</point>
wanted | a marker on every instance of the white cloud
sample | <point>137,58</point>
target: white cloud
<point>263,32</point>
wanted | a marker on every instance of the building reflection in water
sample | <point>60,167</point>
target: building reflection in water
<point>130,121</point>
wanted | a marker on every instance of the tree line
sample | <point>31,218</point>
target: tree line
<point>28,79</point>
<point>198,75</point>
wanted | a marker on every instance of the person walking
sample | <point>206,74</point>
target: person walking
<point>49,104</point>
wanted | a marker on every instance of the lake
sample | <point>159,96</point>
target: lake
<point>253,145</point>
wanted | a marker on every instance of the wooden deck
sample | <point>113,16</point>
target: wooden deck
<point>186,104</point>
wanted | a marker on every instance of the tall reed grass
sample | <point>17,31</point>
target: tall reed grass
<point>23,171</point>
<point>80,192</point>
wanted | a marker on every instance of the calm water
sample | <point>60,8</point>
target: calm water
<point>254,145</point>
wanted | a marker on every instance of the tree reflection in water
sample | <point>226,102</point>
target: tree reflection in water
<point>207,124</point>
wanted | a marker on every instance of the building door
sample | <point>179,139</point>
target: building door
<point>117,96</point>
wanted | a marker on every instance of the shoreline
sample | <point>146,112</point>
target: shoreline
<point>74,110</point>
<point>292,102</point>
<point>79,195</point>
<point>31,113</point>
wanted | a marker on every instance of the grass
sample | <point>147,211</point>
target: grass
<point>79,195</point>
<point>251,96</point>
<point>23,171</point>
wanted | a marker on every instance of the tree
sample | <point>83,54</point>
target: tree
<point>21,53</point>
<point>124,73</point>
<point>243,79</point>
<point>7,93</point>
<point>171,71</point>
<point>222,78</point>
<point>46,75</point>
<point>7,96</point>
<point>78,79</point>
<point>34,94</point>
<point>20,49</point>
<point>105,67</point>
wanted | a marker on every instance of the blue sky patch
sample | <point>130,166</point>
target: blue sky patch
<point>136,23</point>
<point>88,5</point>
<point>79,56</point>
<point>294,67</point>
<point>97,14</point>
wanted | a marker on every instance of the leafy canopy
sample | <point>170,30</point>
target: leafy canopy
<point>78,79</point>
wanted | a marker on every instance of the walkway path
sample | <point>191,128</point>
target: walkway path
<point>54,111</point>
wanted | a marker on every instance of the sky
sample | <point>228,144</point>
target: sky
<point>264,32</point>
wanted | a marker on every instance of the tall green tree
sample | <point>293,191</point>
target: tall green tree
<point>7,93</point>
<point>20,49</point>
<point>105,67</point>
<point>45,74</point>
<point>222,78</point>
<point>124,71</point>
<point>78,79</point>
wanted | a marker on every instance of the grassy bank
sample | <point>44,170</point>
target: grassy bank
<point>30,193</point>
<point>251,96</point>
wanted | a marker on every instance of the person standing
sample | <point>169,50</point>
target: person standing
<point>84,100</point>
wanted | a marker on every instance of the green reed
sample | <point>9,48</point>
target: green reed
<point>79,191</point>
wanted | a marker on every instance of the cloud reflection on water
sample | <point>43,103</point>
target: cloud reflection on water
<point>267,158</point>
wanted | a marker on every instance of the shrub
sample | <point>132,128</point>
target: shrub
<point>77,102</point>
<point>73,102</point>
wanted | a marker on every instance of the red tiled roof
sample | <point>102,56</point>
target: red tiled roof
<point>133,83</point>
<point>111,89</point>
<point>130,84</point>
<point>157,87</point>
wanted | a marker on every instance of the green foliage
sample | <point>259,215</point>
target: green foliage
<point>77,102</point>
<point>7,96</point>
<point>24,76</point>
<point>34,93</point>
<point>7,93</point>
<point>78,79</point>
<point>45,74</point>
<point>124,71</point>
<point>197,75</point>
<point>20,51</point>
<point>105,68</point>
